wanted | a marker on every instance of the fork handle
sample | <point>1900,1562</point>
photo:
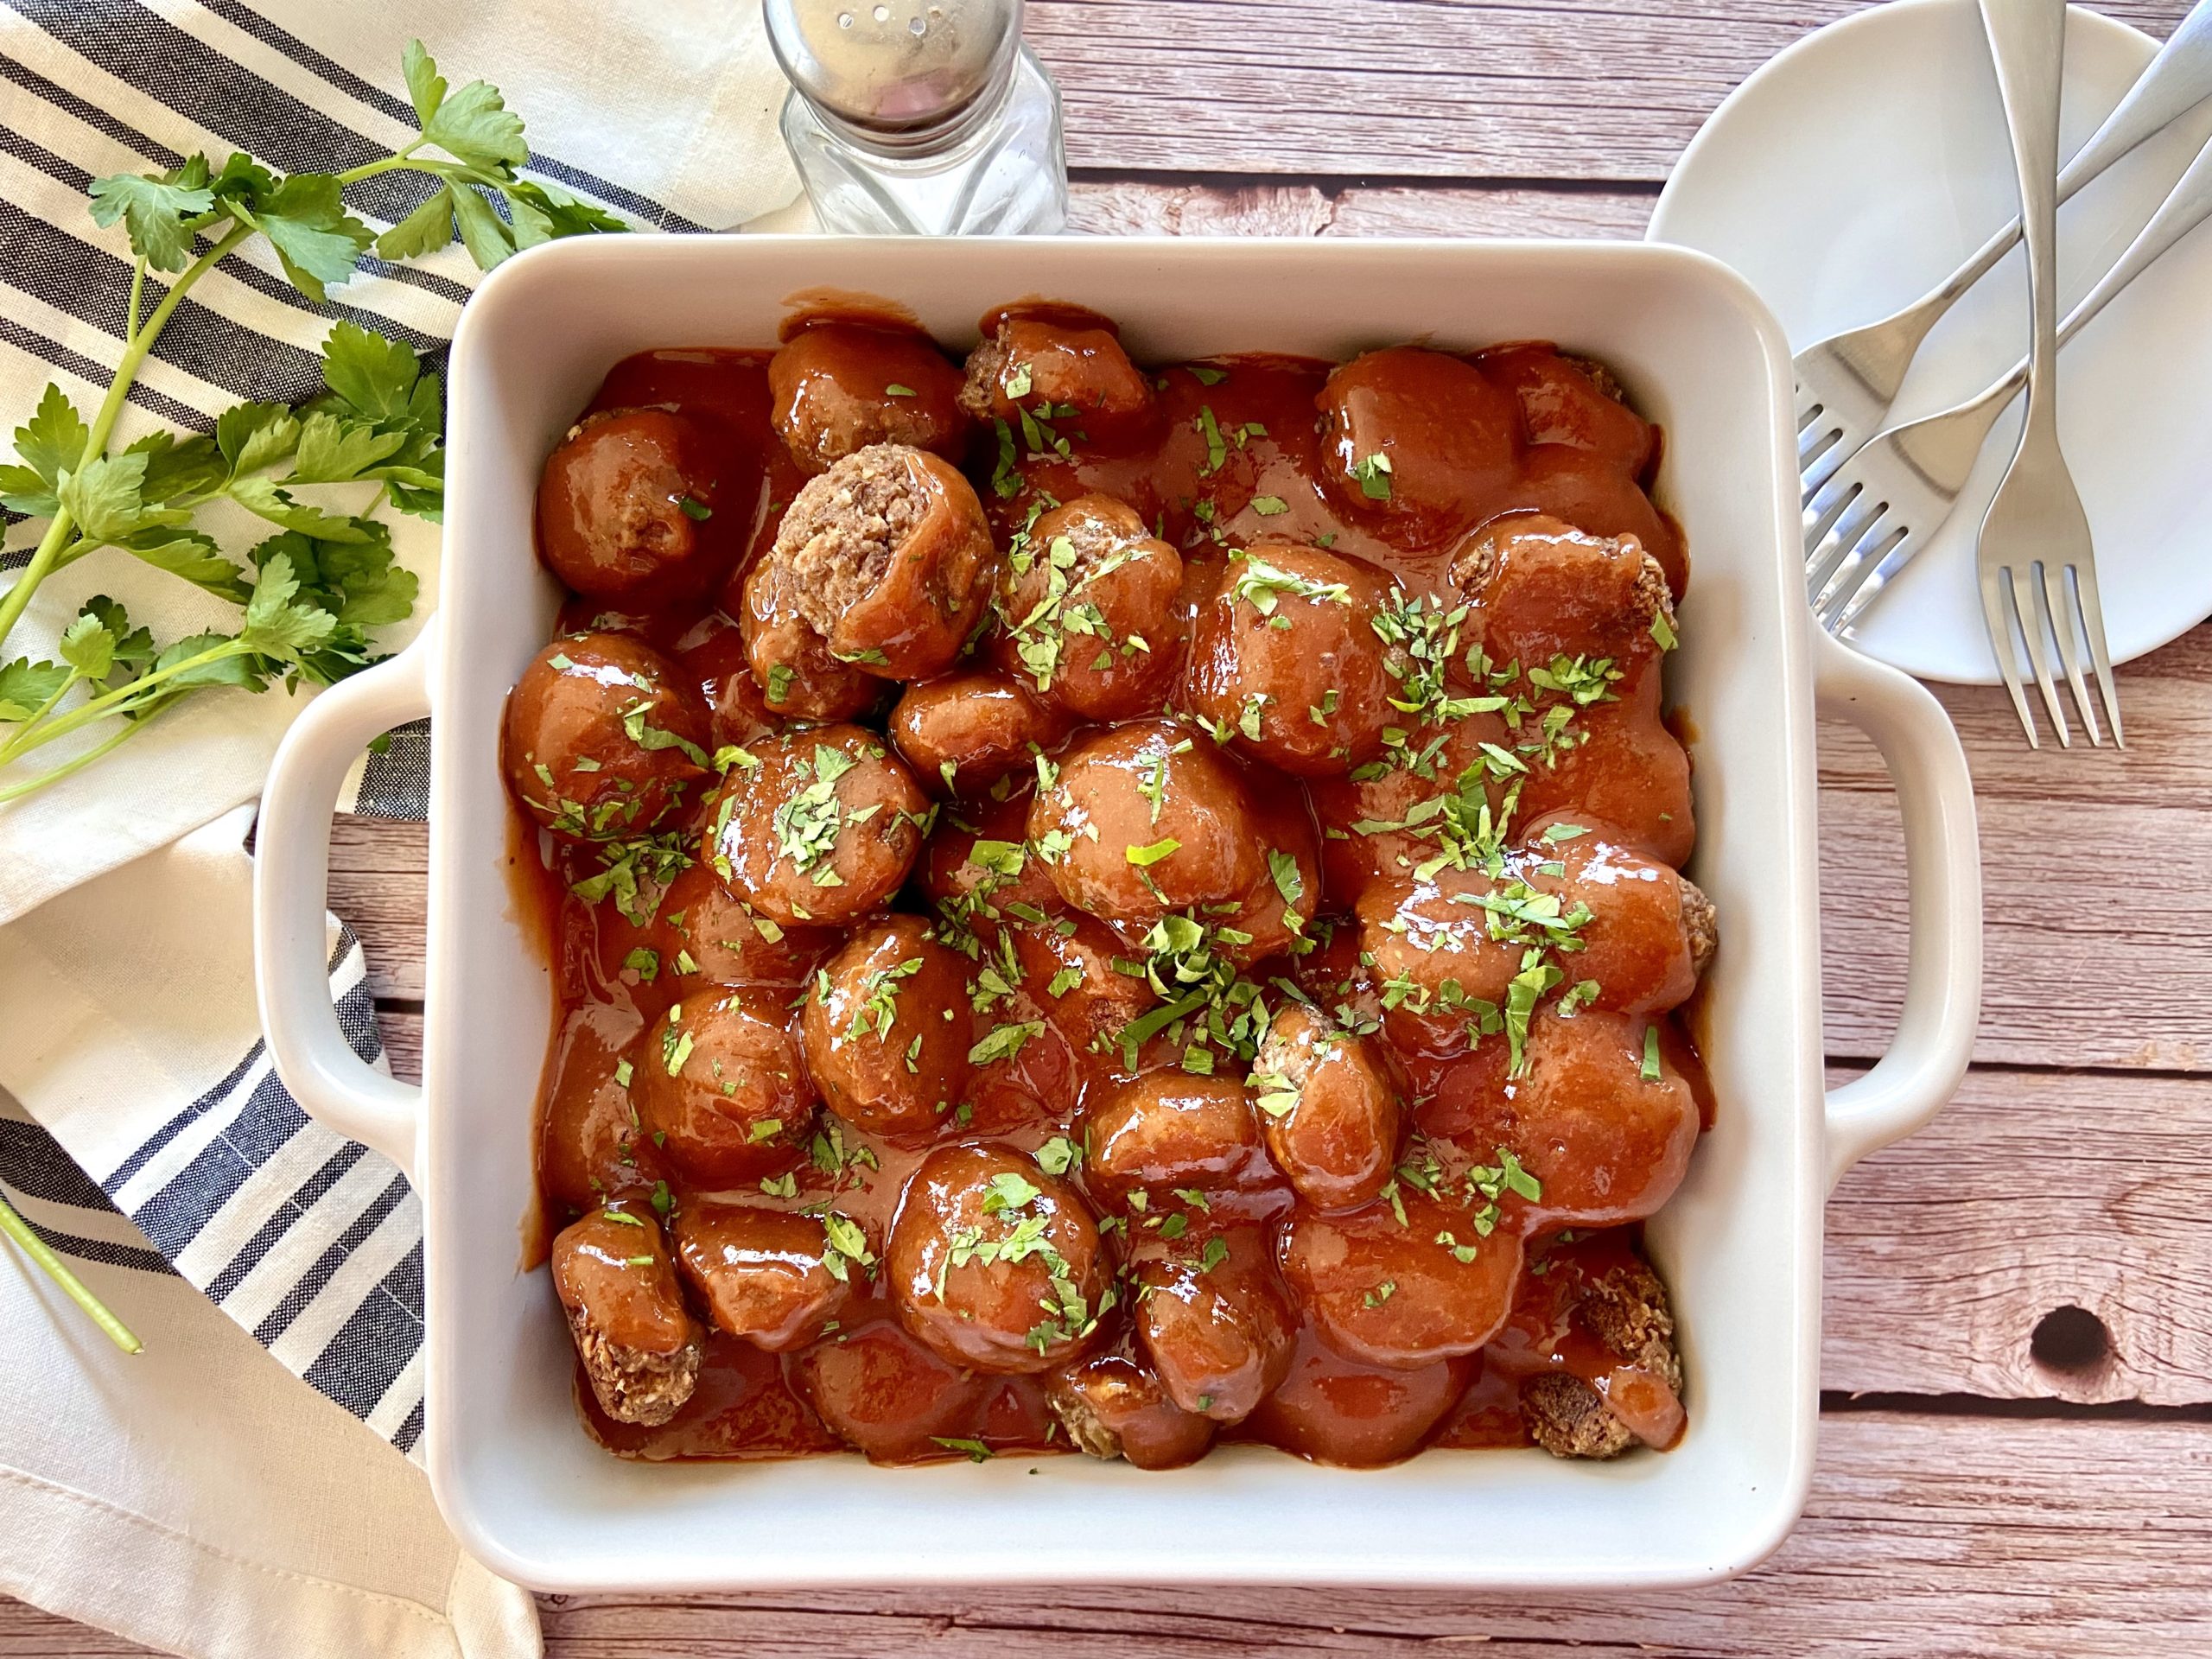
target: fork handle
<point>2027,40</point>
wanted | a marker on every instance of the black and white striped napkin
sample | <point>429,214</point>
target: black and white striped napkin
<point>126,1023</point>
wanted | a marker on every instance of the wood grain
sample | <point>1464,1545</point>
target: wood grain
<point>1151,207</point>
<point>1451,89</point>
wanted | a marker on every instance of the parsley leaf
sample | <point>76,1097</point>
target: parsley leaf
<point>161,211</point>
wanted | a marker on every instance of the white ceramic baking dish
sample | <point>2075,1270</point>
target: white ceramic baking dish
<point>514,1473</point>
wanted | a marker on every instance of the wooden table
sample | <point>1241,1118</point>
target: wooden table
<point>2017,1440</point>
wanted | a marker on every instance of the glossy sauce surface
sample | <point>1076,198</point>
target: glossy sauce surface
<point>1226,453</point>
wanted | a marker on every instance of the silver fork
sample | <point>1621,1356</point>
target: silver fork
<point>1847,383</point>
<point>1886,503</point>
<point>2035,534</point>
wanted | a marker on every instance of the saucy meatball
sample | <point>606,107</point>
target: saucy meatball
<point>1423,443</point>
<point>840,387</point>
<point>790,663</point>
<point>1212,1318</point>
<point>1148,818</point>
<point>1090,602</point>
<point>1286,659</point>
<point>1328,1108</point>
<point>994,1263</point>
<point>981,874</point>
<point>1058,369</point>
<point>1625,772</point>
<point>967,731</point>
<point>1402,1292</point>
<point>887,558</point>
<point>769,1276</point>
<point>1396,819</point>
<point>643,505</point>
<point>1334,1410</point>
<point>1113,1405</point>
<point>1542,593</point>
<point>819,826</point>
<point>720,1084</point>
<point>1151,1141</point>
<point>699,936</point>
<point>886,1394</point>
<point>639,1346</point>
<point>1591,1342</point>
<point>877,1042</point>
<point>1086,996</point>
<point>1575,402</point>
<point>601,738</point>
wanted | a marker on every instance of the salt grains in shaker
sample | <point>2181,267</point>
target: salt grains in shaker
<point>914,118</point>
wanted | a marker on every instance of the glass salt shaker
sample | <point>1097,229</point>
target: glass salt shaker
<point>920,118</point>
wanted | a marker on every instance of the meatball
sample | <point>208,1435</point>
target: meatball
<point>1601,1116</point>
<point>1328,1109</point>
<point>1144,819</point>
<point>770,1276</point>
<point>1574,402</point>
<point>1069,369</point>
<point>713,657</point>
<point>841,387</point>
<point>1404,1282</point>
<point>819,826</point>
<point>877,1040</point>
<point>981,877</point>
<point>1422,443</point>
<point>967,731</point>
<point>790,663</point>
<point>1395,818</point>
<point>722,1085</point>
<point>1151,1142</point>
<point>639,1346</point>
<point>1071,968</point>
<point>590,1144</point>
<point>888,559</point>
<point>1212,1318</point>
<point>1542,593</point>
<point>1619,1303</point>
<point>1334,1410</point>
<point>699,936</point>
<point>1626,773</point>
<point>1570,486</point>
<point>640,506</point>
<point>602,739</point>
<point>1287,661</point>
<point>1089,599</point>
<point>1113,1405</point>
<point>886,1394</point>
<point>994,1263</point>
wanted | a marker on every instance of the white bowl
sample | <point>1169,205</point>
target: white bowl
<point>1740,1245</point>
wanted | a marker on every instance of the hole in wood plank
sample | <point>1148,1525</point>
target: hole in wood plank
<point>2071,1341</point>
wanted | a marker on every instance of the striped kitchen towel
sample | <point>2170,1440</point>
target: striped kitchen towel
<point>127,1025</point>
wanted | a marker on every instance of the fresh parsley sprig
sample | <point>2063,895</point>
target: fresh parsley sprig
<point>316,588</point>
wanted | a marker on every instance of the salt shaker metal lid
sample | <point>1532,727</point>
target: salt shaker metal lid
<point>898,75</point>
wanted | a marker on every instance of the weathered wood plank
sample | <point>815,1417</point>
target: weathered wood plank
<point>1927,1537</point>
<point>1465,89</point>
<point>1156,207</point>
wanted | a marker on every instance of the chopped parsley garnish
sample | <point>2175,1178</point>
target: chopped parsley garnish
<point>697,512</point>
<point>1258,583</point>
<point>1004,1042</point>
<point>1145,857</point>
<point>1216,447</point>
<point>976,1449</point>
<point>1372,474</point>
<point>808,825</point>
<point>894,390</point>
<point>878,1000</point>
<point>1650,1071</point>
<point>1268,506</point>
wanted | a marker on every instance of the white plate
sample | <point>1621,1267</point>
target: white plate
<point>1856,170</point>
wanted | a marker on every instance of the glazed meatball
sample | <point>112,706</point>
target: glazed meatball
<point>1567,484</point>
<point>982,875</point>
<point>994,1263</point>
<point>1542,593</point>
<point>639,1346</point>
<point>602,739</point>
<point>639,507</point>
<point>1056,369</point>
<point>886,1394</point>
<point>722,1085</point>
<point>1070,966</point>
<point>877,1043</point>
<point>1397,818</point>
<point>1328,1108</point>
<point>967,731</point>
<point>1089,599</point>
<point>769,1276</point>
<point>790,663</point>
<point>1422,443</point>
<point>1151,1141</point>
<point>699,936</point>
<point>1603,1116</point>
<point>888,559</point>
<point>841,387</point>
<point>1334,1410</point>
<point>1402,1292</point>
<point>1286,660</point>
<point>591,1146</point>
<point>1212,1318</point>
<point>1113,1405</point>
<point>820,826</point>
<point>712,656</point>
<point>1148,818</point>
<point>1574,402</point>
<point>1592,1341</point>
<point>1625,772</point>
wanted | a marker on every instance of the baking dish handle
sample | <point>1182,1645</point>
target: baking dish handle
<point>1928,1055</point>
<point>291,881</point>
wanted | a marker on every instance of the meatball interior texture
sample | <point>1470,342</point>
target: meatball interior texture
<point>1110,907</point>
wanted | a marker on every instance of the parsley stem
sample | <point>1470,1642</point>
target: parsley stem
<point>397,160</point>
<point>117,700</point>
<point>137,293</point>
<point>16,792</point>
<point>58,1270</point>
